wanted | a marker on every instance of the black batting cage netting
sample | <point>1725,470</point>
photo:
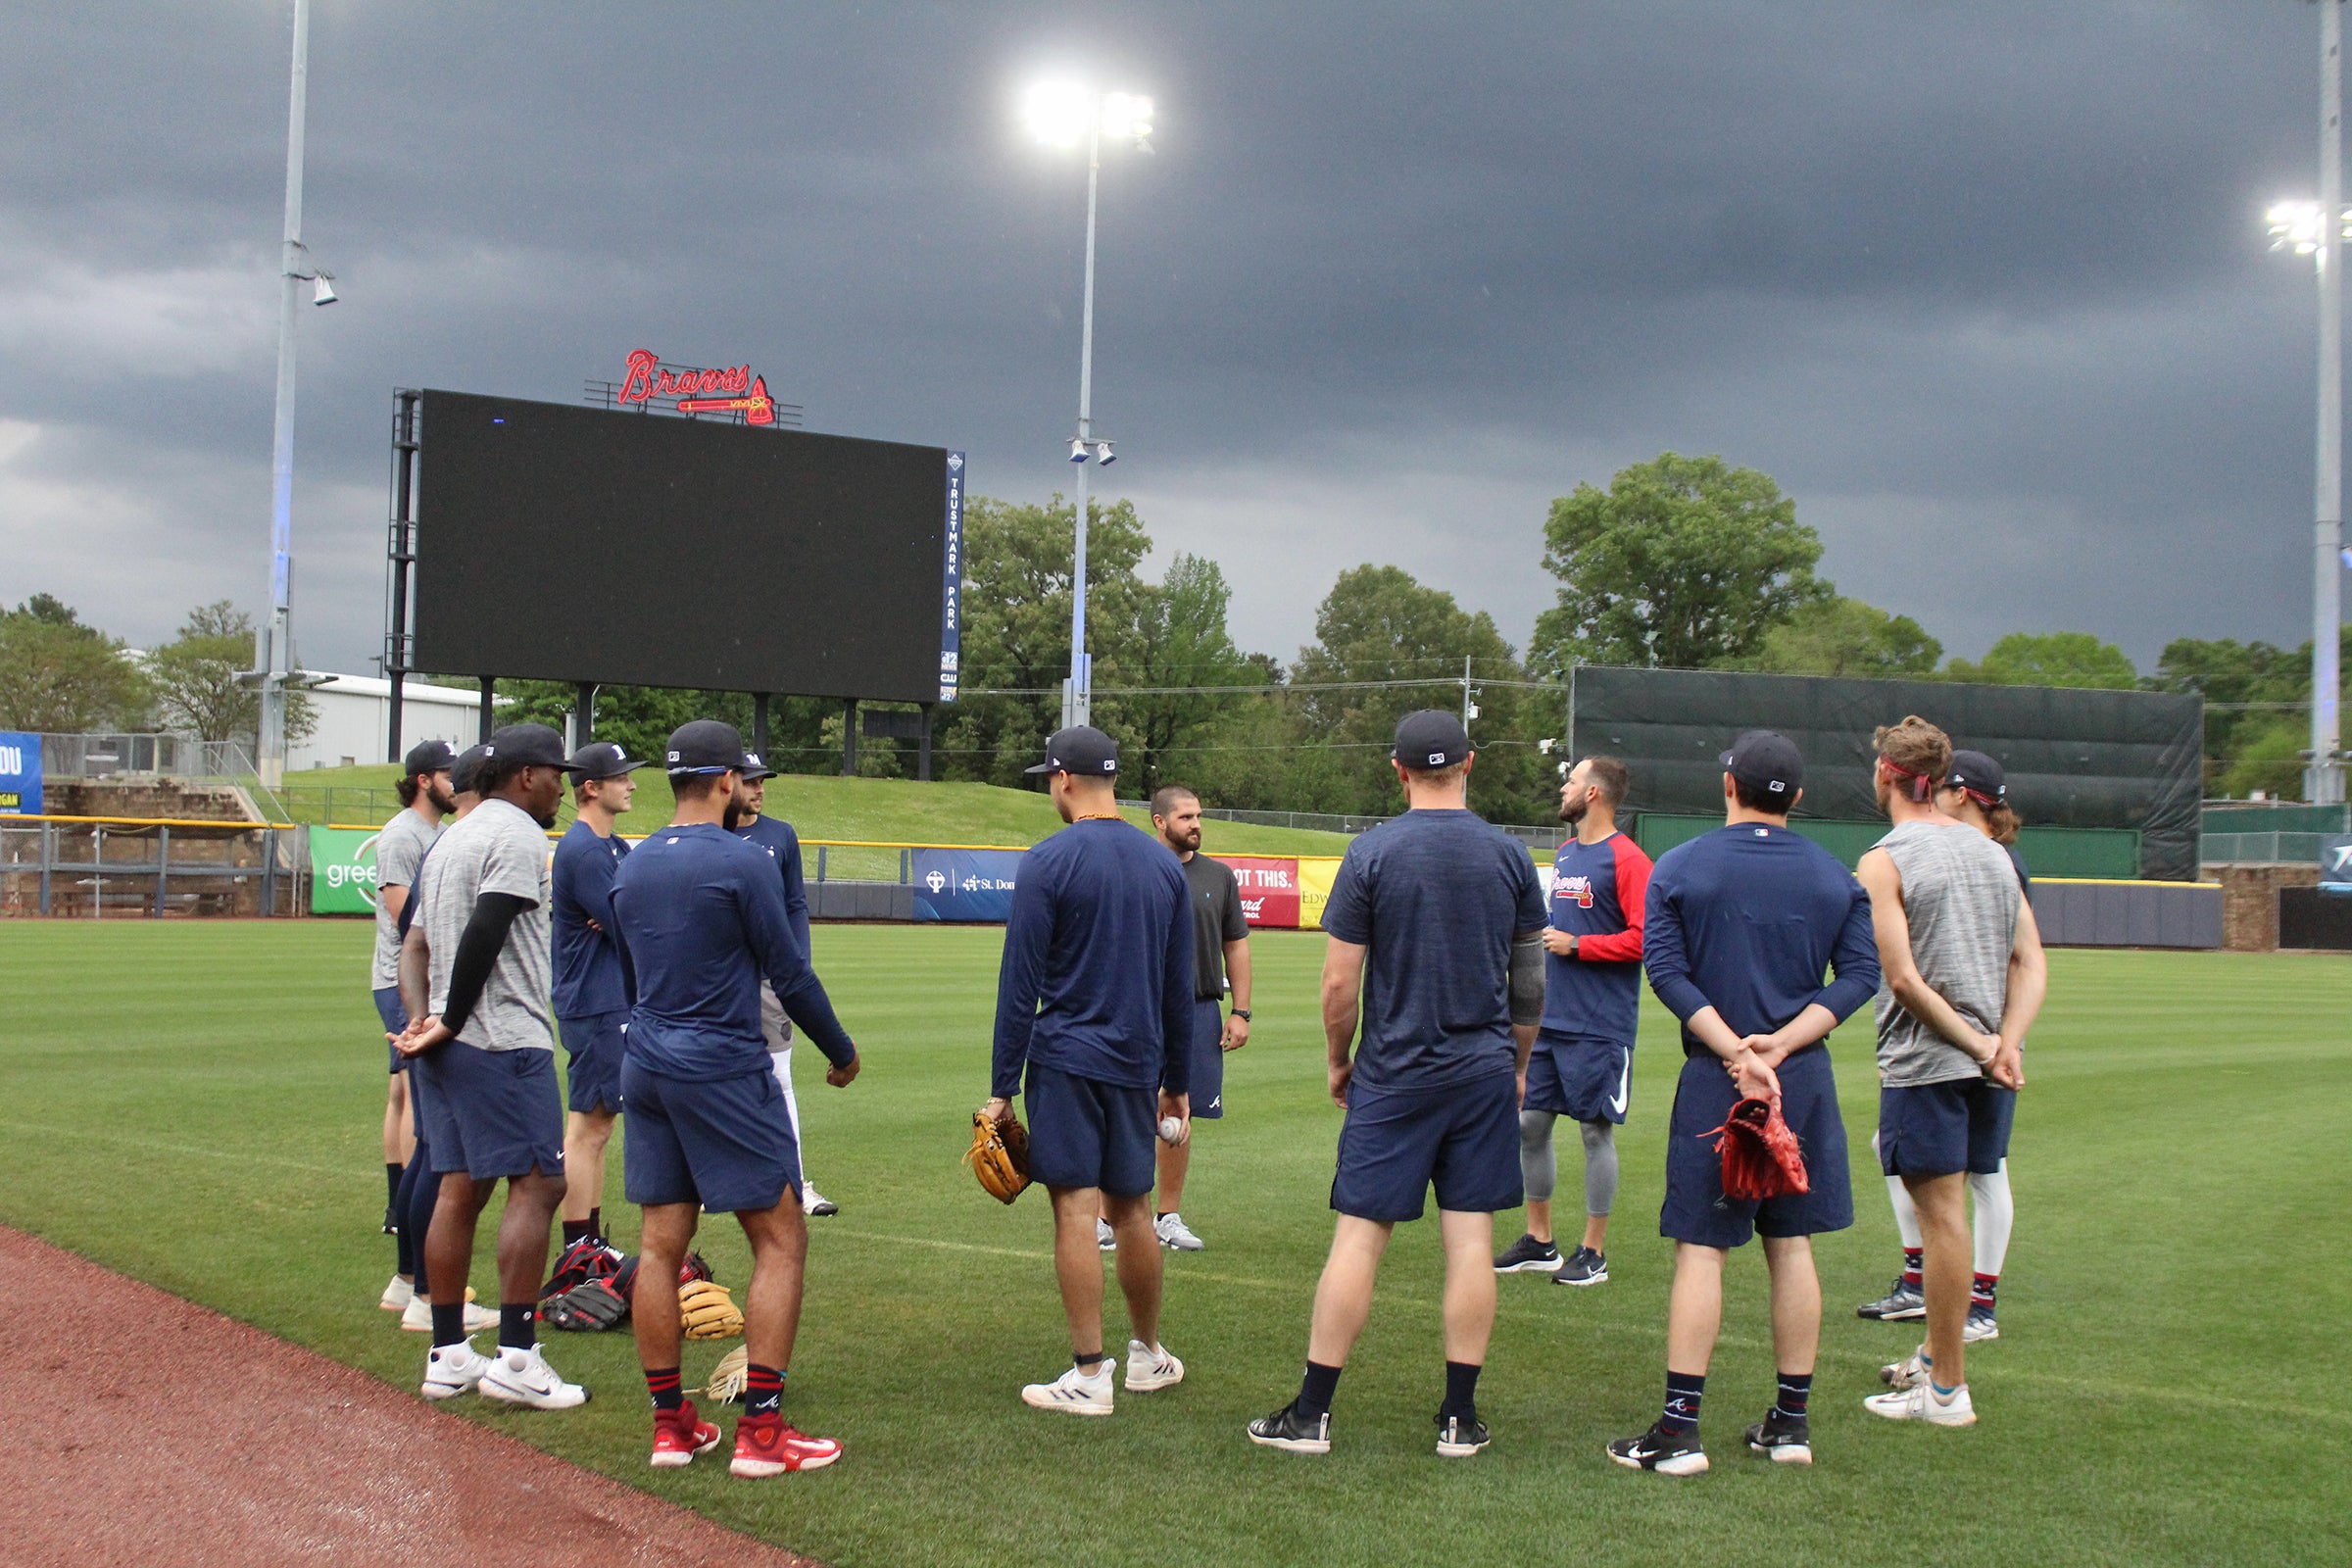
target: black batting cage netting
<point>582,544</point>
<point>2074,759</point>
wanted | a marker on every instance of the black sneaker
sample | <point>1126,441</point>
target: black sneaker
<point>390,1228</point>
<point>1461,1435</point>
<point>1789,1439</point>
<point>1527,1256</point>
<point>1902,1304</point>
<point>1668,1453</point>
<point>1584,1266</point>
<point>1292,1430</point>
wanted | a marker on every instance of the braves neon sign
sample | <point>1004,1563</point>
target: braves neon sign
<point>726,391</point>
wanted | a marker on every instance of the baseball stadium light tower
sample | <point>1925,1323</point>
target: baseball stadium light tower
<point>1061,115</point>
<point>2317,229</point>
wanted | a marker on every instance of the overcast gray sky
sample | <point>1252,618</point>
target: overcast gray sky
<point>1984,286</point>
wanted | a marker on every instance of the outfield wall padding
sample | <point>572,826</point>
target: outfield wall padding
<point>2129,914</point>
<point>2074,759</point>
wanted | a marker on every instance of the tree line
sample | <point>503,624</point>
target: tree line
<point>1679,563</point>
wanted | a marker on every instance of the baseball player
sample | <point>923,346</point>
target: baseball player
<point>1582,1063</point>
<point>1744,923</point>
<point>591,986</point>
<point>1435,922</point>
<point>783,846</point>
<point>1975,791</point>
<point>1220,953</point>
<point>1094,1000</point>
<point>486,1042</point>
<point>702,920</point>
<point>1964,979</point>
<point>423,788</point>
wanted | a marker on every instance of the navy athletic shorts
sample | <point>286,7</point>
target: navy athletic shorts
<point>493,1113</point>
<point>1943,1129</point>
<point>1208,1060</point>
<point>1695,1209</point>
<point>1396,1143</point>
<point>593,1080</point>
<point>396,1018</point>
<point>1584,1076</point>
<point>1087,1133</point>
<point>722,1142</point>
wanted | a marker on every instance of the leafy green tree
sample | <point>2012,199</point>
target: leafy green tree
<point>2050,658</point>
<point>1683,563</point>
<point>1841,636</point>
<point>195,682</point>
<point>1181,640</point>
<point>60,677</point>
<point>2256,707</point>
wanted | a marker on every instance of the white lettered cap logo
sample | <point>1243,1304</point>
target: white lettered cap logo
<point>1437,758</point>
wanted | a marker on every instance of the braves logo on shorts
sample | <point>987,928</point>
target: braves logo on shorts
<point>1579,887</point>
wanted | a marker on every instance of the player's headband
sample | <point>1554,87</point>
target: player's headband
<point>1923,785</point>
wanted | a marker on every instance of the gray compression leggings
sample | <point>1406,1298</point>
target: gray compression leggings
<point>1539,1169</point>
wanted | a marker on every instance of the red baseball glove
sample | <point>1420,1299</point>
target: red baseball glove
<point>1760,1157</point>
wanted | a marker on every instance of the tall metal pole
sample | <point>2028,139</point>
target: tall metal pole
<point>2323,780</point>
<point>1078,704</point>
<point>278,635</point>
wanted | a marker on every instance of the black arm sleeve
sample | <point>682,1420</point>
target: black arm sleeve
<point>470,967</point>
<point>1527,978</point>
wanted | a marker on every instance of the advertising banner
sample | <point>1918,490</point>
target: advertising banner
<point>1270,889</point>
<point>1315,873</point>
<point>965,885</point>
<point>342,870</point>
<point>20,774</point>
<point>2335,861</point>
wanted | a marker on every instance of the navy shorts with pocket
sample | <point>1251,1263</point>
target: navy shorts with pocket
<point>1943,1129</point>
<point>1395,1145</point>
<point>1087,1133</point>
<point>1696,1210</point>
<point>592,1082</point>
<point>723,1144</point>
<point>493,1113</point>
<point>1584,1076</point>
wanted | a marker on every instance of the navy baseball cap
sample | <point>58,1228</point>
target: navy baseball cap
<point>428,757</point>
<point>755,767</point>
<point>464,768</point>
<point>705,746</point>
<point>1977,774</point>
<point>525,746</point>
<point>600,760</point>
<point>1082,751</point>
<point>1432,738</point>
<point>1766,763</point>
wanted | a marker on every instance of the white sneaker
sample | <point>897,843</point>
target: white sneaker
<point>1105,1236</point>
<point>1075,1391</point>
<point>1149,1367</point>
<point>1908,1373</point>
<point>1920,1402</point>
<point>523,1377</point>
<point>815,1203</point>
<point>452,1369</point>
<point>1175,1234</point>
<point>398,1294</point>
<point>417,1316</point>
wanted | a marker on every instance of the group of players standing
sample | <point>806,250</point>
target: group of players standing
<point>1461,1019</point>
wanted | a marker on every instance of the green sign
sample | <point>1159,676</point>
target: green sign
<point>342,870</point>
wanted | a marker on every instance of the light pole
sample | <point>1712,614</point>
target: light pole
<point>273,649</point>
<point>2316,229</point>
<point>1062,115</point>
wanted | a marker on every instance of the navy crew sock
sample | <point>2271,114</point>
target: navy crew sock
<point>392,1190</point>
<point>1795,1387</point>
<point>577,1230</point>
<point>1089,1362</point>
<point>1461,1389</point>
<point>517,1325</point>
<point>1683,1391</point>
<point>595,1222</point>
<point>449,1320</point>
<point>666,1387</point>
<point>1315,1391</point>
<point>763,1391</point>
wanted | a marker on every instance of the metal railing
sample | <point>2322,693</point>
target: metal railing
<point>99,868</point>
<point>144,755</point>
<point>2260,848</point>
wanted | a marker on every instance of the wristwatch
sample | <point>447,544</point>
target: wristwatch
<point>1575,941</point>
<point>1242,1014</point>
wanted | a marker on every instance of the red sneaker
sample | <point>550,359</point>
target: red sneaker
<point>765,1445</point>
<point>679,1434</point>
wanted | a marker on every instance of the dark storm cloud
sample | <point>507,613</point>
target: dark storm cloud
<point>1981,279</point>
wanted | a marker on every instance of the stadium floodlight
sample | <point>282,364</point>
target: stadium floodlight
<point>2294,225</point>
<point>1104,455</point>
<point>1062,114</point>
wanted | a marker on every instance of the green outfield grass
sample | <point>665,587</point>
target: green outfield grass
<point>198,1106</point>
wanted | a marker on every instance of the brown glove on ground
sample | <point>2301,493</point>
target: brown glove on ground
<point>999,1157</point>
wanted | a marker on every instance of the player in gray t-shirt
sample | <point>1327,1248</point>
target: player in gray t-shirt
<point>400,846</point>
<point>487,1048</point>
<point>1963,980</point>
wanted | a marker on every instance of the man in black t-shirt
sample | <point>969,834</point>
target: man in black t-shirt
<point>1435,923</point>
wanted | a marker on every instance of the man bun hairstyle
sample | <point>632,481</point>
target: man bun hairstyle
<point>1611,778</point>
<point>1164,799</point>
<point>1916,751</point>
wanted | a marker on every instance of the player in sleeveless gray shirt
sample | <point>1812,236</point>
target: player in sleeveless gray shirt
<point>1963,981</point>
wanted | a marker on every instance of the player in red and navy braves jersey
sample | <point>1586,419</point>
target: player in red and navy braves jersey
<point>1582,1063</point>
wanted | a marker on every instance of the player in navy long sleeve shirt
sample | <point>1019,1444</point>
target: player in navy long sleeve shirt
<point>1094,1000</point>
<point>591,990</point>
<point>776,837</point>
<point>1760,943</point>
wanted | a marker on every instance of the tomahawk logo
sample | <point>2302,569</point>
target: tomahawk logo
<point>1578,888</point>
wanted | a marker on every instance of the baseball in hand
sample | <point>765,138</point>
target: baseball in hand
<point>1170,1129</point>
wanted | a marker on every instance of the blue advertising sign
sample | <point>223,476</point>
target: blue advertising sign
<point>2336,859</point>
<point>951,608</point>
<point>20,774</point>
<point>965,885</point>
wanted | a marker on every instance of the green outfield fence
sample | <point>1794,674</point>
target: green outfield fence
<point>2099,853</point>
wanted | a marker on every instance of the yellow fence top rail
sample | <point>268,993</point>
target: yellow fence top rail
<point>224,824</point>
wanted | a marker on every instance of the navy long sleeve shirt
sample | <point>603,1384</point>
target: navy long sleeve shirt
<point>701,916</point>
<point>1097,978</point>
<point>1749,919</point>
<point>783,846</point>
<point>589,976</point>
